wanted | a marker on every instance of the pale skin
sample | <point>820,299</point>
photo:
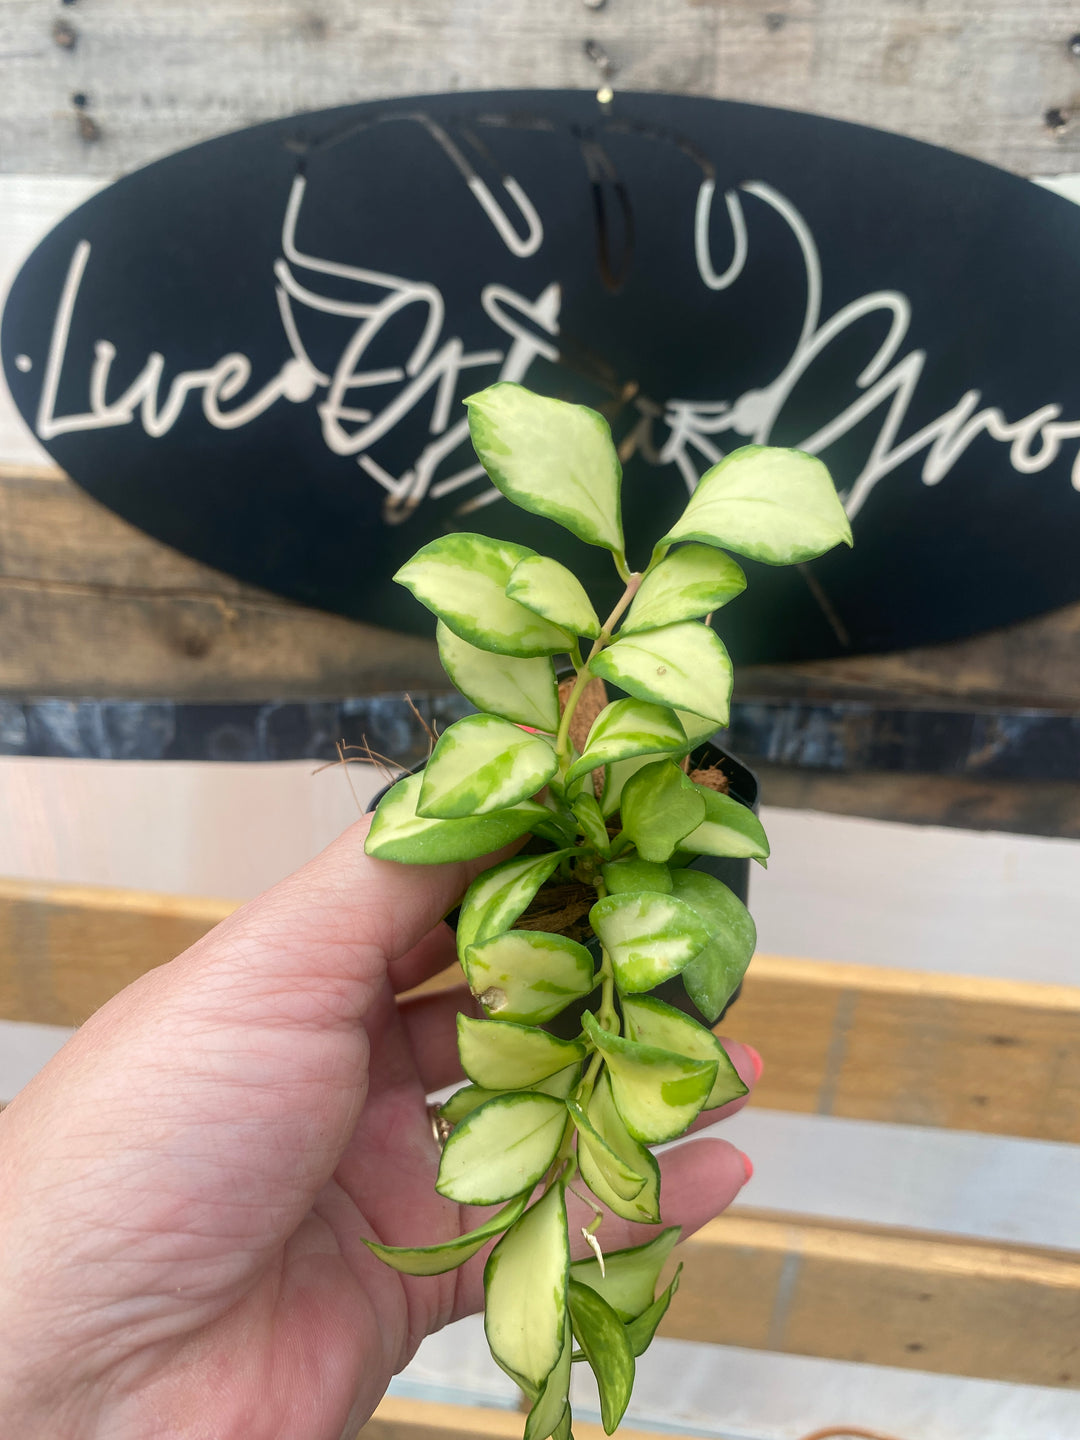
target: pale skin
<point>184,1189</point>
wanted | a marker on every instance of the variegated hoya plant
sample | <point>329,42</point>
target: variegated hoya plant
<point>622,821</point>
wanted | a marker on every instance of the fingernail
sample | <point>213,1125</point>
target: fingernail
<point>755,1060</point>
<point>748,1166</point>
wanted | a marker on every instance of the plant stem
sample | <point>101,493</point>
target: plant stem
<point>562,739</point>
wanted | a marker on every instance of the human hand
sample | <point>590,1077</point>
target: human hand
<point>185,1188</point>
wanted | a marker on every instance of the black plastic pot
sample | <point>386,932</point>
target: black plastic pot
<point>735,874</point>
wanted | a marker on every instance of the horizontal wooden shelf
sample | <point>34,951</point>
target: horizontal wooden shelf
<point>909,1047</point>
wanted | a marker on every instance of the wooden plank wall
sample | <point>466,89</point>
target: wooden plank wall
<point>90,607</point>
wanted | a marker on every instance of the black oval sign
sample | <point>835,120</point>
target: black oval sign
<point>256,349</point>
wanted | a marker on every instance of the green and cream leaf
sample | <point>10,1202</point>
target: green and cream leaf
<point>551,458</point>
<point>502,1055</point>
<point>729,828</point>
<point>437,1259</point>
<point>528,975</point>
<point>501,1149</point>
<point>692,581</point>
<point>618,1176</point>
<point>551,590</point>
<point>657,1093</point>
<point>775,505</point>
<point>605,1119</point>
<point>628,1279</point>
<point>684,666</point>
<point>650,937</point>
<point>524,691</point>
<point>603,1338</point>
<point>626,728</point>
<point>642,1328</point>
<point>399,833</point>
<point>462,579</point>
<point>483,763</point>
<point>650,1022</point>
<point>499,896</point>
<point>525,1284</point>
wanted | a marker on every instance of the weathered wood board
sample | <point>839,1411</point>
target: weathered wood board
<point>851,1040</point>
<point>154,77</point>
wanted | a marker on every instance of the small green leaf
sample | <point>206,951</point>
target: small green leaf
<point>629,1277</point>
<point>693,581</point>
<point>656,1092</point>
<point>501,1055</point>
<point>551,458</point>
<point>501,1149</point>
<point>713,976</point>
<point>650,1022</point>
<point>625,728</point>
<point>551,590</point>
<point>462,579</point>
<point>659,807</point>
<point>525,1283</point>
<point>698,728</point>
<point>642,1328</point>
<point>470,1097</point>
<point>399,833</point>
<point>684,666</point>
<point>528,975</point>
<point>499,896</point>
<point>626,877</point>
<point>552,1405</point>
<point>643,1207</point>
<point>524,691</point>
<point>615,778</point>
<point>603,1338</point>
<point>650,937</point>
<point>729,828</point>
<point>483,763</point>
<point>437,1259</point>
<point>589,816</point>
<point>622,1179</point>
<point>775,505</point>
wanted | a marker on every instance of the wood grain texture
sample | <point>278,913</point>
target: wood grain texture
<point>401,1418</point>
<point>91,606</point>
<point>908,1047</point>
<point>885,1297</point>
<point>158,76</point>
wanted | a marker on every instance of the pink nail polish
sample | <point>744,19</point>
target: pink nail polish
<point>748,1165</point>
<point>756,1061</point>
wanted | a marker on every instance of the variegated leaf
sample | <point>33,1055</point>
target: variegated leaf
<point>625,728</point>
<point>698,728</point>
<point>692,581</point>
<point>551,590</point>
<point>437,1259</point>
<point>657,1093</point>
<point>499,896</point>
<point>617,775</point>
<point>552,1404</point>
<point>659,806</point>
<point>619,1177</point>
<point>528,975</point>
<point>589,816</point>
<point>462,579</point>
<point>649,937</point>
<point>552,458</point>
<point>525,1284</point>
<point>643,1327</point>
<point>601,1335</point>
<point>628,1280</point>
<point>470,1097</point>
<point>501,1055</point>
<point>399,833</point>
<point>483,763</point>
<point>524,691</point>
<point>713,976</point>
<point>608,1124</point>
<point>775,505</point>
<point>684,666</point>
<point>729,828</point>
<point>650,1022</point>
<point>501,1149</point>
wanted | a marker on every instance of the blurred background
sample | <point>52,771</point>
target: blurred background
<point>906,1259</point>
